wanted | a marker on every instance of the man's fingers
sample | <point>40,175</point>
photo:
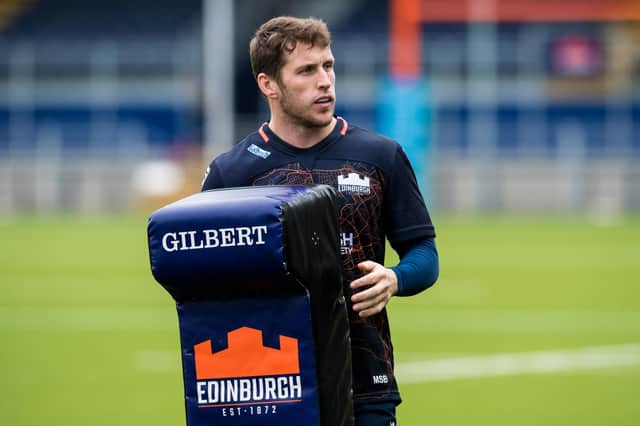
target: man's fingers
<point>371,276</point>
<point>367,266</point>
<point>370,302</point>
<point>366,295</point>
<point>369,293</point>
<point>369,279</point>
<point>380,283</point>
<point>371,311</point>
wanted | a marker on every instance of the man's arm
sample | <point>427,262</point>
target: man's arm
<point>418,270</point>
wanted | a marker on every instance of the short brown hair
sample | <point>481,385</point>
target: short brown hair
<point>281,35</point>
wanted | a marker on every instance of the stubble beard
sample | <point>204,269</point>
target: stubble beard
<point>300,115</point>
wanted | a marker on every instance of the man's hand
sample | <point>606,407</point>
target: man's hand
<point>382,283</point>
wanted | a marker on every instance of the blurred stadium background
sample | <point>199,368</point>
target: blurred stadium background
<point>522,118</point>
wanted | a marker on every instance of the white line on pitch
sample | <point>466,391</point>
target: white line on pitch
<point>508,364</point>
<point>468,367</point>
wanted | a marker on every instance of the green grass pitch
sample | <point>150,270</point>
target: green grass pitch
<point>88,337</point>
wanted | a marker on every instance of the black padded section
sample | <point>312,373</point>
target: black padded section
<point>312,255</point>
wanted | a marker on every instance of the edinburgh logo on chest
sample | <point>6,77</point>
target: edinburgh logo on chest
<point>353,182</point>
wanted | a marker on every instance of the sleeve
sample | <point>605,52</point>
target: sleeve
<point>406,215</point>
<point>418,268</point>
<point>212,178</point>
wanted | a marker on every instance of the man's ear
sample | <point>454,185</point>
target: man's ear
<point>268,86</point>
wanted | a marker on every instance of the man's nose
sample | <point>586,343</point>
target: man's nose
<point>325,79</point>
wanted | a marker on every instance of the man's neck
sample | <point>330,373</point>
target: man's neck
<point>300,136</point>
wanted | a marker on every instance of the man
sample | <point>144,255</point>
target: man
<point>305,143</point>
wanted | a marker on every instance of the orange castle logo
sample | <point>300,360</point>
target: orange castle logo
<point>246,356</point>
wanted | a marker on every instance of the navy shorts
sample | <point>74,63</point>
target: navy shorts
<point>375,414</point>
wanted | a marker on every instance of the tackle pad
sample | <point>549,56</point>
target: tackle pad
<point>256,276</point>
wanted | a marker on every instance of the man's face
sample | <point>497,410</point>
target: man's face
<point>307,86</point>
